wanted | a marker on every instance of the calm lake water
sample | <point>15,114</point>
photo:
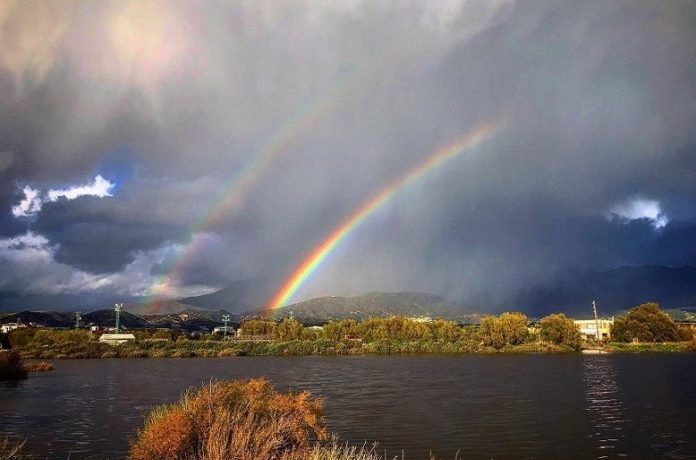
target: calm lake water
<point>492,407</point>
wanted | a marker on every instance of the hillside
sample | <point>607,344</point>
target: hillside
<point>377,304</point>
<point>107,318</point>
<point>239,297</point>
<point>45,318</point>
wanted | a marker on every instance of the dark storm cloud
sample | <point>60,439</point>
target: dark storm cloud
<point>597,100</point>
<point>91,235</point>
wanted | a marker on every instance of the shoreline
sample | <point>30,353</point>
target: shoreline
<point>221,349</point>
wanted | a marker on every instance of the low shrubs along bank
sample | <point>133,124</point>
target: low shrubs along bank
<point>508,333</point>
<point>394,335</point>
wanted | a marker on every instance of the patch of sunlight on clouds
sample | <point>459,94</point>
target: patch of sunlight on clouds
<point>33,199</point>
<point>640,208</point>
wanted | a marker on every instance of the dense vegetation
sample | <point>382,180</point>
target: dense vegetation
<point>648,323</point>
<point>561,330</point>
<point>508,332</point>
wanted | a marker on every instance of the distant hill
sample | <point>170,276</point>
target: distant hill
<point>377,304</point>
<point>615,290</point>
<point>44,318</point>
<point>192,319</point>
<point>239,297</point>
<point>107,318</point>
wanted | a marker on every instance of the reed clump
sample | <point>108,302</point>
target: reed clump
<point>42,366</point>
<point>238,420</point>
<point>11,450</point>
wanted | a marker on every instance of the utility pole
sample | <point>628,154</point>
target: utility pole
<point>596,320</point>
<point>225,320</point>
<point>78,318</point>
<point>117,310</point>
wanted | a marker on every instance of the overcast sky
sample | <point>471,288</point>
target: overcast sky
<point>123,125</point>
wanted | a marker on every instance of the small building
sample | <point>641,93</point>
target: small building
<point>421,319</point>
<point>588,328</point>
<point>116,339</point>
<point>5,328</point>
<point>222,329</point>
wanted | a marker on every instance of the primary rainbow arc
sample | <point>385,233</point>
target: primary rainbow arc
<point>310,264</point>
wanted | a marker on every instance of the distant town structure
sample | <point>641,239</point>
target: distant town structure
<point>421,319</point>
<point>116,339</point>
<point>224,330</point>
<point>589,328</point>
<point>5,328</point>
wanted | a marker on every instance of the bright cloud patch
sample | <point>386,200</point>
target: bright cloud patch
<point>31,204</point>
<point>27,264</point>
<point>640,209</point>
<point>34,199</point>
<point>100,187</point>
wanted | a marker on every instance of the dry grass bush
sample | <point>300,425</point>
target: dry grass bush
<point>11,450</point>
<point>336,451</point>
<point>42,366</point>
<point>238,420</point>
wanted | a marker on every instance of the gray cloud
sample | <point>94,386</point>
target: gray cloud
<point>172,101</point>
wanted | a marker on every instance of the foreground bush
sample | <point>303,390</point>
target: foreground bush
<point>11,367</point>
<point>239,420</point>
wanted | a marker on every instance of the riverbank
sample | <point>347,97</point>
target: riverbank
<point>647,347</point>
<point>160,348</point>
<point>208,349</point>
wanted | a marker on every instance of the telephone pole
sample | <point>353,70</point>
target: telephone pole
<point>596,319</point>
<point>78,319</point>
<point>117,311</point>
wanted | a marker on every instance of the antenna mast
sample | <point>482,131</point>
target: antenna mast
<point>596,319</point>
<point>225,320</point>
<point>117,310</point>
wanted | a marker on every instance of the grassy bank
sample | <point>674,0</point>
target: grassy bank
<point>205,348</point>
<point>659,347</point>
<point>507,333</point>
<point>395,335</point>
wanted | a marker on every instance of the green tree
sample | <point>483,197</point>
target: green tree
<point>560,330</point>
<point>646,323</point>
<point>258,327</point>
<point>288,329</point>
<point>506,329</point>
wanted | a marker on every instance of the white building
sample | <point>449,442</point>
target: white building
<point>116,339</point>
<point>588,328</point>
<point>5,328</point>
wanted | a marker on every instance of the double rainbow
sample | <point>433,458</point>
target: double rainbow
<point>289,134</point>
<point>310,264</point>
